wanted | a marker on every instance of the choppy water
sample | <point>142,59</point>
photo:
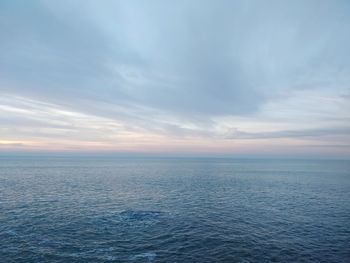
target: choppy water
<point>173,210</point>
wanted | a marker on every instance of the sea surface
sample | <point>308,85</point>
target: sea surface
<point>104,209</point>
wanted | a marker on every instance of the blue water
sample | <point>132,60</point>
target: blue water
<point>173,210</point>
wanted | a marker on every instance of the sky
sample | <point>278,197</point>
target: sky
<point>217,78</point>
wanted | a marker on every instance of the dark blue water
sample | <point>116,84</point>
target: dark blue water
<point>173,210</point>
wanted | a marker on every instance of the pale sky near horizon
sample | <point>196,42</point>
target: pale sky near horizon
<point>184,77</point>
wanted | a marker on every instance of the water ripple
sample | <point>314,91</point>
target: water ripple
<point>174,211</point>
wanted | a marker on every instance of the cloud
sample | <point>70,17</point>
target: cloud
<point>12,144</point>
<point>306,133</point>
<point>174,69</point>
<point>197,58</point>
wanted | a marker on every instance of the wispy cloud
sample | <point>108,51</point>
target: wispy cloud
<point>161,71</point>
<point>308,133</point>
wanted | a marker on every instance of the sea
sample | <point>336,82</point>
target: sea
<point>114,209</point>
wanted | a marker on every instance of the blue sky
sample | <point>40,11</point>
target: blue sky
<point>183,77</point>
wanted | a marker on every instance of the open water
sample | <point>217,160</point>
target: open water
<point>85,209</point>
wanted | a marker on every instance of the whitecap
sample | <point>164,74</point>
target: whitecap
<point>150,256</point>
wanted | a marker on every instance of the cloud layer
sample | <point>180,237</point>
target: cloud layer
<point>173,73</point>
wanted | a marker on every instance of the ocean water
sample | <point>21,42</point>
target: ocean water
<point>72,209</point>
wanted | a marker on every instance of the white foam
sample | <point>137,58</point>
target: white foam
<point>149,255</point>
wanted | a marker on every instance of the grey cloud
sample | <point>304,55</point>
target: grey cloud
<point>306,133</point>
<point>173,68</point>
<point>196,59</point>
<point>15,121</point>
<point>11,144</point>
<point>346,146</point>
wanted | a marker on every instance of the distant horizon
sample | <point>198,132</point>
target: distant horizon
<point>122,155</point>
